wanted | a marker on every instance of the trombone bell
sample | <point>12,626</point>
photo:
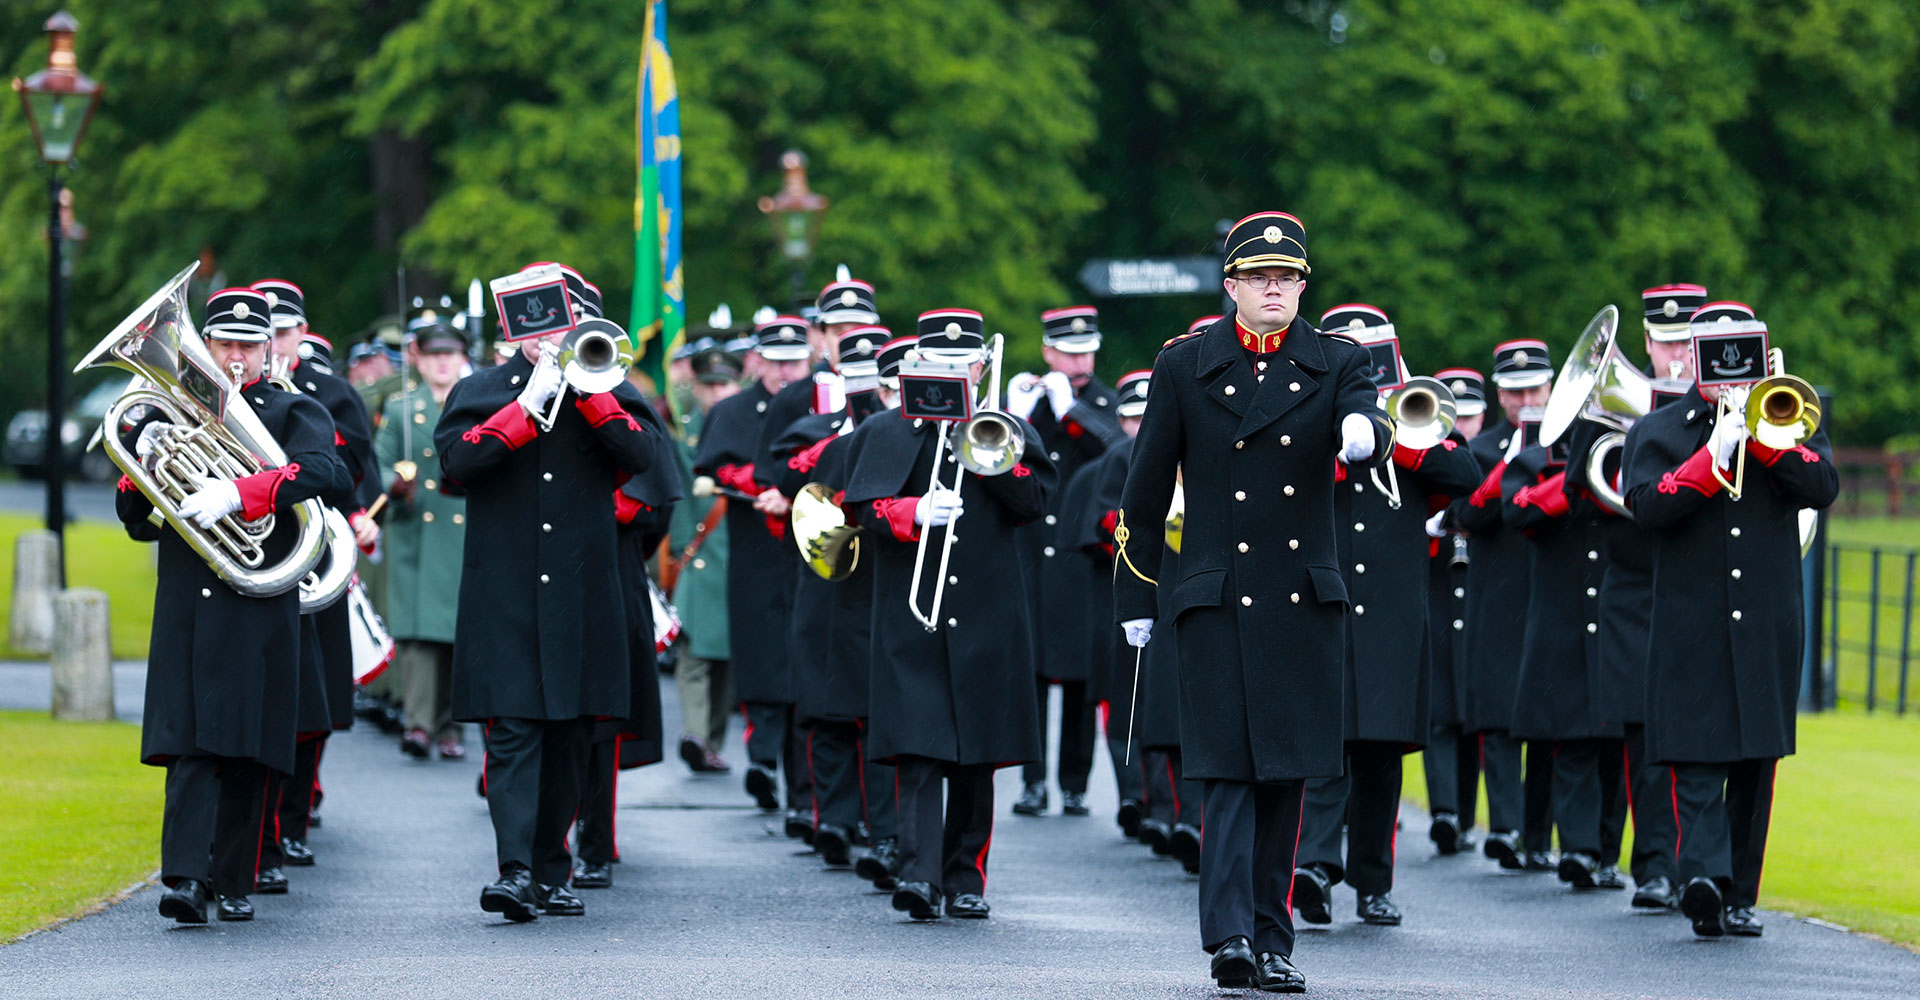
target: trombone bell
<point>989,444</point>
<point>1782,411</point>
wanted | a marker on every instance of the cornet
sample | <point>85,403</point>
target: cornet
<point>594,358</point>
<point>1780,411</point>
<point>1423,413</point>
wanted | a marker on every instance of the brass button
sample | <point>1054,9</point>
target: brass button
<point>1229,390</point>
<point>1246,602</point>
<point>699,563</point>
<point>1293,543</point>
<point>1288,490</point>
<point>1239,494</point>
<point>459,519</point>
<point>1237,445</point>
<point>419,418</point>
<point>1243,546</point>
<point>430,484</point>
<point>427,517</point>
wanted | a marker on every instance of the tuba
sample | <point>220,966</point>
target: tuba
<point>335,572</point>
<point>828,544</point>
<point>215,435</point>
<point>1597,383</point>
<point>1423,412</point>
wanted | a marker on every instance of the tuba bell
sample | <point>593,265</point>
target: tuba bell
<point>1597,383</point>
<point>828,544</point>
<point>215,435</point>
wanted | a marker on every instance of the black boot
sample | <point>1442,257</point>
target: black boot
<point>1033,800</point>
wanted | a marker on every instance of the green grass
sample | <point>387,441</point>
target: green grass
<point>1841,844</point>
<point>79,817</point>
<point>99,556</point>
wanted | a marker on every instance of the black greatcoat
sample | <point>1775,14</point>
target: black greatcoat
<point>222,669</point>
<point>1500,564</point>
<point>1089,428</point>
<point>759,565</point>
<point>1559,693</point>
<point>1723,668</point>
<point>1086,541</point>
<point>1385,556</point>
<point>1156,705</point>
<point>655,492</point>
<point>832,623</point>
<point>353,446</point>
<point>963,693</point>
<point>542,629</point>
<point>1259,606</point>
<point>1446,630</point>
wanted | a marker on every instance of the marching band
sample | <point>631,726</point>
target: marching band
<point>1260,572</point>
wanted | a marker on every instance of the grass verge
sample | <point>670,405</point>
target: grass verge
<point>79,817</point>
<point>100,556</point>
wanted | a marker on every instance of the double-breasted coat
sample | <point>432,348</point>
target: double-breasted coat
<point>542,624</point>
<point>1500,563</point>
<point>1447,626</point>
<point>1086,431</point>
<point>643,508</point>
<point>1258,607</point>
<point>1559,693</point>
<point>1724,659</point>
<point>759,563</point>
<point>424,537</point>
<point>223,669</point>
<point>963,692</point>
<point>1089,503</point>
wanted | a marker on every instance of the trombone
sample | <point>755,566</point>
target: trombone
<point>1423,413</point>
<point>594,357</point>
<point>989,443</point>
<point>1780,411</point>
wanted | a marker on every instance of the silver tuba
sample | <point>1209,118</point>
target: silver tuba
<point>215,435</point>
<point>1597,383</point>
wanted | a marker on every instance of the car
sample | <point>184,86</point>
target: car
<point>27,433</point>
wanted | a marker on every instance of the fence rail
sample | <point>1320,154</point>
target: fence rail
<point>1869,625</point>
<point>1876,483</point>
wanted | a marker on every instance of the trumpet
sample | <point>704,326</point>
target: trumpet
<point>1780,411</point>
<point>1423,413</point>
<point>594,357</point>
<point>990,443</point>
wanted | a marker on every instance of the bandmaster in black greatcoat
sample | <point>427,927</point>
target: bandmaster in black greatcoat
<point>541,649</point>
<point>1252,412</point>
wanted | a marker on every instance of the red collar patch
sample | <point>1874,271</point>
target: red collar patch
<point>1259,343</point>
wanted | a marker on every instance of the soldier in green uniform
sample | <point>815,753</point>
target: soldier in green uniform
<point>698,548</point>
<point>425,538</point>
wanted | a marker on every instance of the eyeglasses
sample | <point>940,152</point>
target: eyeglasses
<point>1259,282</point>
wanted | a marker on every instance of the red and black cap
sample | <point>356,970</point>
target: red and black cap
<point>1131,391</point>
<point>1202,323</point>
<point>863,343</point>
<point>1729,344</point>
<point>846,301</point>
<point>951,334</point>
<point>285,300</point>
<point>1266,239</point>
<point>1668,309</point>
<point>1522,364</point>
<point>782,338</point>
<point>590,300</point>
<point>239,314</point>
<point>1357,321</point>
<point>893,352</point>
<point>1469,389</point>
<point>1074,330</point>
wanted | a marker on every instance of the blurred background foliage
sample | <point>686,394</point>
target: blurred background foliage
<point>1482,169</point>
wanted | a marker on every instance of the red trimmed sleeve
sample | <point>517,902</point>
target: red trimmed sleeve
<point>1073,429</point>
<point>1548,496</point>
<point>512,424</point>
<point>1771,456</point>
<point>1108,521</point>
<point>1408,458</point>
<point>1696,473</point>
<point>1489,487</point>
<point>898,513</point>
<point>602,408</point>
<point>259,491</point>
<point>805,461</point>
<point>739,477</point>
<point>626,508</point>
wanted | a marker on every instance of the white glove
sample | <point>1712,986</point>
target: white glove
<point>1138,630</point>
<point>1059,393</point>
<point>149,437</point>
<point>1519,445</point>
<point>544,383</point>
<point>1023,394</point>
<point>1356,439</point>
<point>938,509</point>
<point>215,499</point>
<point>1434,530</point>
<point>1728,436</point>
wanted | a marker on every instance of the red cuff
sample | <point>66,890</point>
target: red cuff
<point>512,425</point>
<point>1074,430</point>
<point>1549,495</point>
<point>776,526</point>
<point>806,460</point>
<point>1489,487</point>
<point>739,477</point>
<point>602,408</point>
<point>1696,473</point>
<point>626,508</point>
<point>126,485</point>
<point>338,441</point>
<point>257,492</point>
<point>1339,471</point>
<point>1407,458</point>
<point>1108,522</point>
<point>898,513</point>
<point>1769,456</point>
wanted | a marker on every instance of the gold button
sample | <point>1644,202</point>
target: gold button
<point>1294,597</point>
<point>419,418</point>
<point>427,517</point>
<point>699,564</point>
<point>1288,490</point>
<point>1243,546</point>
<point>1239,494</point>
<point>1246,602</point>
<point>430,484</point>
<point>426,453</point>
<point>1293,543</point>
<point>459,519</point>
<point>1239,444</point>
<point>1229,390</point>
<point>1286,440</point>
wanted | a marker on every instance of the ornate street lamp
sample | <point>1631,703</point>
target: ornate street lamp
<point>795,213</point>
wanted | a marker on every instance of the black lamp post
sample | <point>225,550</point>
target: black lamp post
<point>795,213</point>
<point>59,101</point>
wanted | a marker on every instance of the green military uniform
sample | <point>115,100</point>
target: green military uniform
<point>424,539</point>
<point>700,595</point>
<point>373,574</point>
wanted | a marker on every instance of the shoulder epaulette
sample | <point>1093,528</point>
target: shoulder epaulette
<point>1339,336</point>
<point>1184,336</point>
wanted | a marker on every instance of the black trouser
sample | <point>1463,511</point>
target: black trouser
<point>1653,833</point>
<point>1076,737</point>
<point>1723,811</point>
<point>1576,794</point>
<point>949,854</point>
<point>210,829</point>
<point>1613,800</point>
<point>289,801</point>
<point>1452,765</point>
<point>1129,777</point>
<point>774,741</point>
<point>1366,801</point>
<point>1172,799</point>
<point>879,793</point>
<point>599,795</point>
<point>1246,864</point>
<point>1500,760</point>
<point>1537,829</point>
<point>533,773</point>
<point>833,758</point>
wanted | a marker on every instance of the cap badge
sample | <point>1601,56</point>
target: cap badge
<point>953,329</point>
<point>1520,358</point>
<point>1079,325</point>
<point>1142,389</point>
<point>1273,234</point>
<point>1356,324</point>
<point>240,310</point>
<point>864,347</point>
<point>1459,386</point>
<point>273,299</point>
<point>1671,309</point>
<point>848,297</point>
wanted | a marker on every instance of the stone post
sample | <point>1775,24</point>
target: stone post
<point>82,657</point>
<point>36,578</point>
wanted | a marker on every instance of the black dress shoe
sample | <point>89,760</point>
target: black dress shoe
<point>296,853</point>
<point>799,826</point>
<point>917,900</point>
<point>1504,846</point>
<point>186,903</point>
<point>511,895</point>
<point>1540,861</point>
<point>694,753</point>
<point>1074,804</point>
<point>1377,910</point>
<point>1129,817</point>
<point>881,864</point>
<point>1233,966</point>
<point>1577,869</point>
<point>761,786</point>
<point>1032,802</point>
<point>1445,833</point>
<point>313,816</point>
<point>416,744</point>
<point>1609,877</point>
<point>1742,923</point>
<point>235,909</point>
<point>834,843</point>
<point>968,906</point>
<point>1654,894</point>
<point>593,875</point>
<point>1702,904</point>
<point>270,882</point>
<point>559,901</point>
<point>1468,841</point>
<point>1156,834</point>
<point>1312,895</point>
<point>1276,974</point>
<point>1184,844</point>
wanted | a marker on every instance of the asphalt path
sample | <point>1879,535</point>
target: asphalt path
<point>85,501</point>
<point>711,901</point>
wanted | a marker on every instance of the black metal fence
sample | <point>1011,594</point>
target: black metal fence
<point>1868,625</point>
